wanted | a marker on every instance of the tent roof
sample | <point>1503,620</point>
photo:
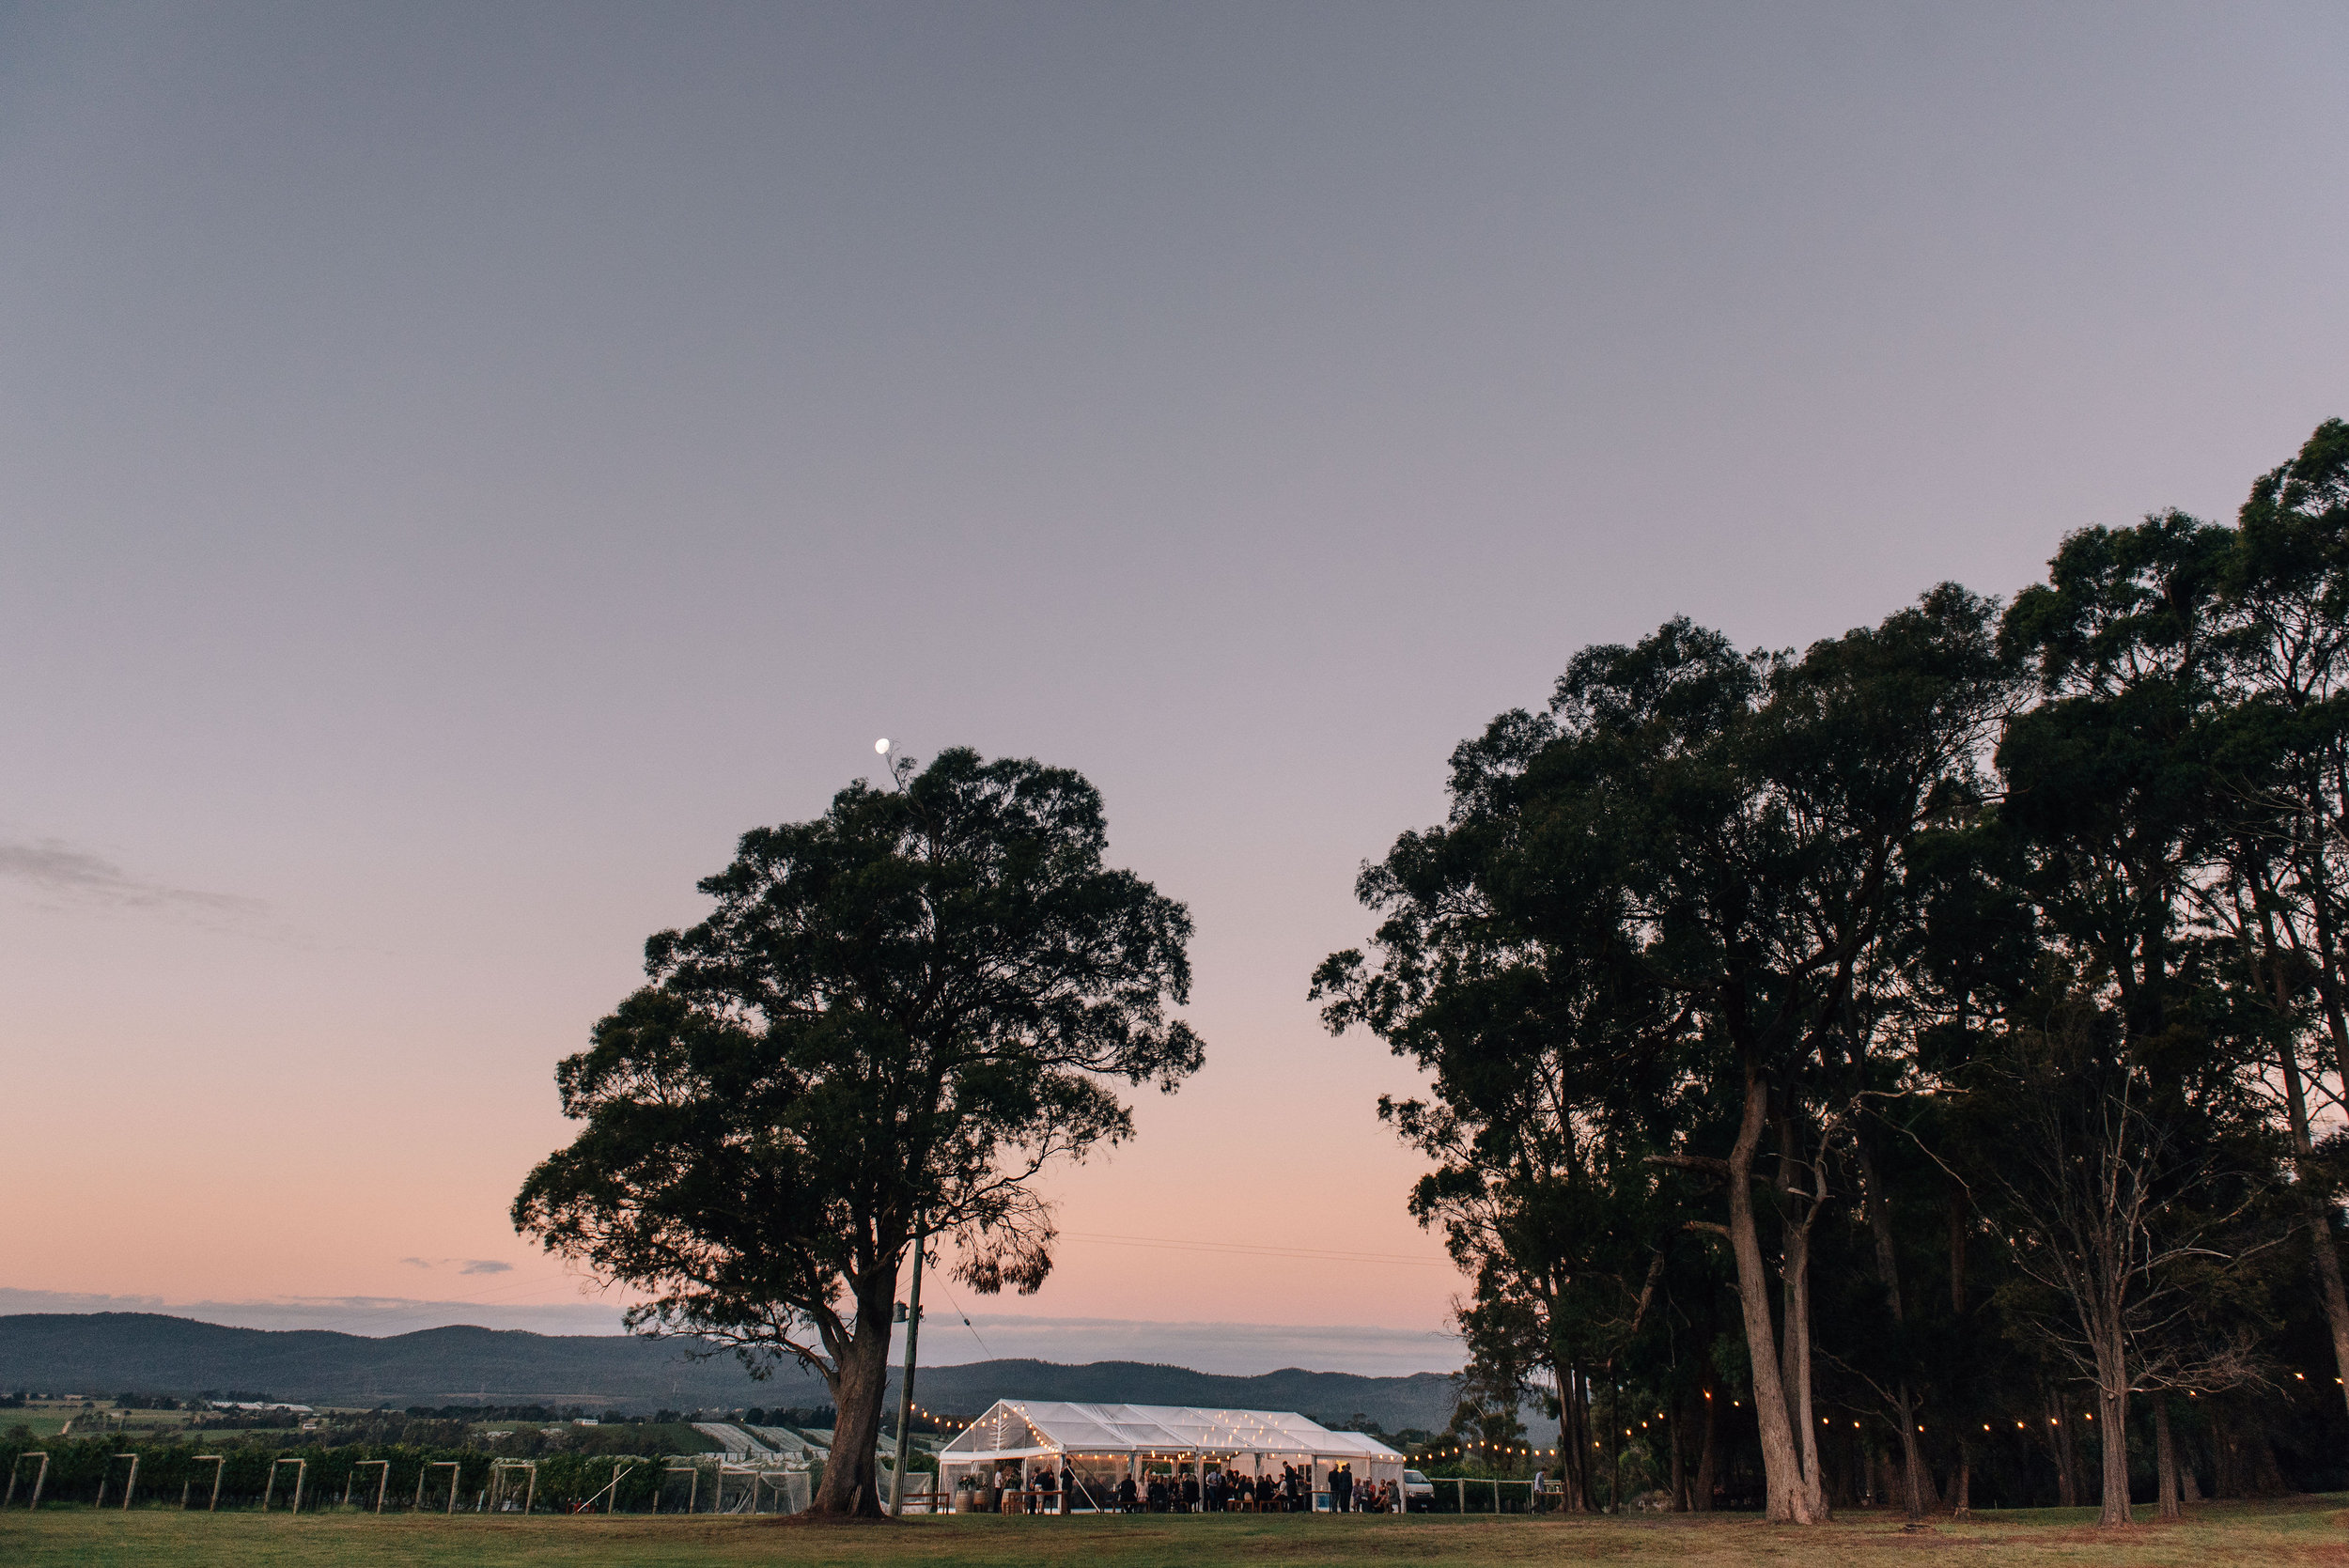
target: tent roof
<point>1013,1427</point>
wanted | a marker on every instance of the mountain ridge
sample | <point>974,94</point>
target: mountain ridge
<point>104,1352</point>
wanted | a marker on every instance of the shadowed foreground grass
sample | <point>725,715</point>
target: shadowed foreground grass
<point>2306,1531</point>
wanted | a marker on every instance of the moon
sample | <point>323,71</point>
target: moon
<point>881,746</point>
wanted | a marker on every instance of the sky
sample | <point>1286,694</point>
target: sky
<point>460,466</point>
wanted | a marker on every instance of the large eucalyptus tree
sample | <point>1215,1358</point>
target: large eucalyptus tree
<point>1641,933</point>
<point>895,1016</point>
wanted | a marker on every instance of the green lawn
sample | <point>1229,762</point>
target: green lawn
<point>2301,1531</point>
<point>47,1418</point>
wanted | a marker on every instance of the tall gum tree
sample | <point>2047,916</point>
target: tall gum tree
<point>2283,598</point>
<point>896,1014</point>
<point>1695,850</point>
<point>2112,804</point>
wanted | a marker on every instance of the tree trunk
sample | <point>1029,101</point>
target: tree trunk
<point>2112,1394</point>
<point>1702,1500</point>
<point>2060,1444</point>
<point>2319,1209</point>
<point>2165,1464</point>
<point>2330,974</point>
<point>1680,1467</point>
<point>851,1486</point>
<point>1588,1429</point>
<point>1962,1489</point>
<point>1574,1440</point>
<point>1916,1485</point>
<point>1786,1489</point>
<point>1915,1482</point>
<point>1803,1415</point>
<point>2263,1478</point>
<point>2226,1461</point>
<point>1614,1441</point>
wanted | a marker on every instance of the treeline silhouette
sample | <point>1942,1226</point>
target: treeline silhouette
<point>1910,1068</point>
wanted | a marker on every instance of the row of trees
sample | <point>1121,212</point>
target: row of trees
<point>1912,1028</point>
<point>1975,983</point>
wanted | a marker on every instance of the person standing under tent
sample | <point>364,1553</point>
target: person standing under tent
<point>1190,1491</point>
<point>1126,1501</point>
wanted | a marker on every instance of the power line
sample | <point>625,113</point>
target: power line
<point>965,1316</point>
<point>1250,1250</point>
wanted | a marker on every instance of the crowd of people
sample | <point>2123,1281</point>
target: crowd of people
<point>1219,1491</point>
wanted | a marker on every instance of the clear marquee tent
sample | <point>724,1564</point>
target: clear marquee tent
<point>1102,1443</point>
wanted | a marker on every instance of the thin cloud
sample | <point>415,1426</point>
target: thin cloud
<point>57,868</point>
<point>464,1266</point>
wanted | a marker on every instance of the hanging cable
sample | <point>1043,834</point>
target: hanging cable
<point>965,1316</point>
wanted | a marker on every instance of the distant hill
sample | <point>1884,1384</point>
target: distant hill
<point>110,1351</point>
<point>106,1353</point>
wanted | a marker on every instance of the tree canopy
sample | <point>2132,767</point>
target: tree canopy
<point>893,1018</point>
<point>1914,1038</point>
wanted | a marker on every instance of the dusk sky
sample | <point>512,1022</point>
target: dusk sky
<point>461,465</point>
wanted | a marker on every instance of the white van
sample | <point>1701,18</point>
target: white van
<point>1419,1493</point>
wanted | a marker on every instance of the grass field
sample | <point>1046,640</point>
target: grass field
<point>2300,1531</point>
<point>48,1417</point>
